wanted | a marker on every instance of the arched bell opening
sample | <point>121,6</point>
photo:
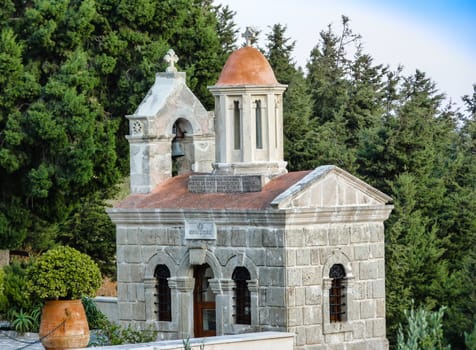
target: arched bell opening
<point>182,147</point>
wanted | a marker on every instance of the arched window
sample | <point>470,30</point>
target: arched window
<point>162,273</point>
<point>337,303</point>
<point>236,125</point>
<point>242,296</point>
<point>259,128</point>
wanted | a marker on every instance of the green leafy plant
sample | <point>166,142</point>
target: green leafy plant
<point>96,319</point>
<point>470,339</point>
<point>114,334</point>
<point>3,298</point>
<point>186,344</point>
<point>23,322</point>
<point>15,286</point>
<point>64,273</point>
<point>35,314</point>
<point>424,330</point>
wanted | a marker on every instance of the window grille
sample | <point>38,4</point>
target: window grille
<point>337,293</point>
<point>242,296</point>
<point>162,273</point>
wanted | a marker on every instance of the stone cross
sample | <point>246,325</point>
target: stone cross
<point>249,35</point>
<point>171,58</point>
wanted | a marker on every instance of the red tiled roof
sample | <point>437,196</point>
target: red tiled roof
<point>173,194</point>
<point>247,66</point>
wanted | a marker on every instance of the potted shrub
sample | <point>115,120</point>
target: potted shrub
<point>61,276</point>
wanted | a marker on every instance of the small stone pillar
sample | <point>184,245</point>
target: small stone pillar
<point>150,300</point>
<point>225,303</point>
<point>4,257</point>
<point>253,288</point>
<point>184,296</point>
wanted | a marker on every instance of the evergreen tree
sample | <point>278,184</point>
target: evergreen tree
<point>418,138</point>
<point>226,29</point>
<point>414,269</point>
<point>70,71</point>
<point>89,230</point>
<point>396,132</point>
<point>327,69</point>
<point>364,109</point>
<point>279,50</point>
<point>346,93</point>
<point>299,135</point>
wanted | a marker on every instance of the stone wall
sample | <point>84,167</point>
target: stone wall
<point>108,306</point>
<point>241,240</point>
<point>289,275</point>
<point>310,253</point>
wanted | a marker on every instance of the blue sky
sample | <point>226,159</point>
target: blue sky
<point>435,36</point>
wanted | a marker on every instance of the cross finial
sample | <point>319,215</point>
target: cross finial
<point>171,58</point>
<point>249,35</point>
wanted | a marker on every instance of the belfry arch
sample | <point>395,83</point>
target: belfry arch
<point>182,148</point>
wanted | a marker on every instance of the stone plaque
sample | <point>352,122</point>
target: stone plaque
<point>198,229</point>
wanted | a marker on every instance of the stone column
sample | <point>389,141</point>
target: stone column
<point>247,130</point>
<point>183,295</point>
<point>4,257</point>
<point>224,303</point>
<point>253,288</point>
<point>215,285</point>
<point>150,299</point>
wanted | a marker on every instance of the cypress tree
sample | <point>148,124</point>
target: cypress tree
<point>78,67</point>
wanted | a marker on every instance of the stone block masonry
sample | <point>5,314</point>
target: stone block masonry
<point>311,251</point>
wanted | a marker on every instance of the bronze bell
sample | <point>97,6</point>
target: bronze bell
<point>177,149</point>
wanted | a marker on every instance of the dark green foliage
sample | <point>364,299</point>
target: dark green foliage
<point>470,339</point>
<point>64,273</point>
<point>96,319</point>
<point>16,289</point>
<point>420,273</point>
<point>345,96</point>
<point>89,230</point>
<point>58,144</point>
<point>69,72</point>
<point>300,136</point>
<point>16,304</point>
<point>396,132</point>
<point>226,29</point>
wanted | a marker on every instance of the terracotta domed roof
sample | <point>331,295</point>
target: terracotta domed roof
<point>247,66</point>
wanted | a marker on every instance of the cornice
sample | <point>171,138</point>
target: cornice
<point>269,217</point>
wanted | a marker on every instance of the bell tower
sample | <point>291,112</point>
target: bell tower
<point>248,116</point>
<point>171,133</point>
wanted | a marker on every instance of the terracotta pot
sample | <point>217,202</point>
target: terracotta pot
<point>64,325</point>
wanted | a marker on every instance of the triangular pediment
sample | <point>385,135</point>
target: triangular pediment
<point>169,92</point>
<point>329,186</point>
<point>168,100</point>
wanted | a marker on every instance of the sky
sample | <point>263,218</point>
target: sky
<point>434,36</point>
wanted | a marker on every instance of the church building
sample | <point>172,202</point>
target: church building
<point>218,238</point>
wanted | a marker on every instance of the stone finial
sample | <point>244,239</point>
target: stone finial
<point>249,35</point>
<point>171,58</point>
